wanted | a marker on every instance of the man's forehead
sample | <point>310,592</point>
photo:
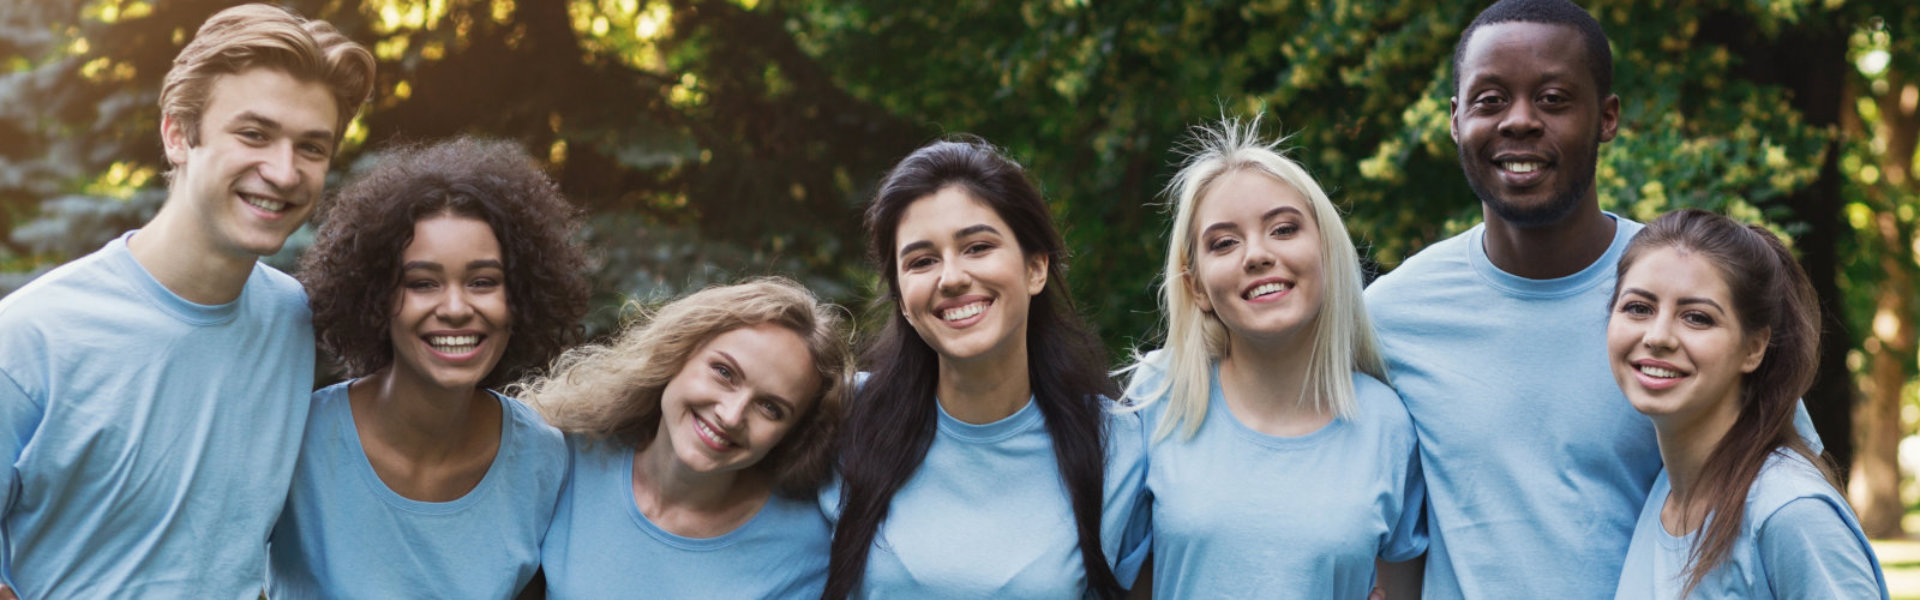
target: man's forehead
<point>1508,48</point>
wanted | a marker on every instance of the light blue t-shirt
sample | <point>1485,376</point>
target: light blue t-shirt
<point>1798,539</point>
<point>1241,514</point>
<point>986,515</point>
<point>146,442</point>
<point>602,546</point>
<point>345,534</point>
<point>1536,465</point>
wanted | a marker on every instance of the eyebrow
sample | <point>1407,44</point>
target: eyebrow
<point>474,265</point>
<point>964,232</point>
<point>1684,300</point>
<point>1268,216</point>
<point>731,361</point>
<point>263,121</point>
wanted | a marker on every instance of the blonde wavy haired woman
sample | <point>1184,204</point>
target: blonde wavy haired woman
<point>699,439</point>
<point>1294,468</point>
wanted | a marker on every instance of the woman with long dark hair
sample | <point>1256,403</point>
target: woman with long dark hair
<point>1714,335</point>
<point>979,459</point>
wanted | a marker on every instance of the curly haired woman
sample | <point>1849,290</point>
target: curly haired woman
<point>446,270</point>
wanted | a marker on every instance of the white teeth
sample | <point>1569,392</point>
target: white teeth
<point>1267,288</point>
<point>266,205</point>
<point>1658,372</point>
<point>454,344</point>
<point>711,434</point>
<point>964,311</point>
<point>1523,167</point>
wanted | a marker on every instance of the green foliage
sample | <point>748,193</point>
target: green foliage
<point>711,139</point>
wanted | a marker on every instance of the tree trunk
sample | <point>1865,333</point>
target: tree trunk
<point>1891,338</point>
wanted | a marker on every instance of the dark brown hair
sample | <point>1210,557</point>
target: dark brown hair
<point>353,268</point>
<point>890,424</point>
<point>1769,293</point>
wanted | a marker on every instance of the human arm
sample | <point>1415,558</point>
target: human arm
<point>20,415</point>
<point>1809,550</point>
<point>1400,579</point>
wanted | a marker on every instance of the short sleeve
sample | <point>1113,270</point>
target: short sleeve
<point>1128,449</point>
<point>20,416</point>
<point>1409,536</point>
<point>1810,551</point>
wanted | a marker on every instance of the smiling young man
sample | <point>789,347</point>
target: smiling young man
<point>152,393</point>
<point>1535,465</point>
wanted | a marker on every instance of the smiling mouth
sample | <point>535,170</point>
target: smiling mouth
<point>1520,167</point>
<point>1658,372</point>
<point>454,344</point>
<point>1266,289</point>
<point>964,311</point>
<point>272,206</point>
<point>711,435</point>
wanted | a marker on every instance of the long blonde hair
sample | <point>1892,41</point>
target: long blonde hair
<point>611,391</point>
<point>1343,340</point>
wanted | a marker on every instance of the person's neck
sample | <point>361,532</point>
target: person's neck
<point>178,255</point>
<point>1685,444</point>
<point>692,503</point>
<point>1553,250</point>
<point>986,388</point>
<point>425,423</point>
<point>1264,381</point>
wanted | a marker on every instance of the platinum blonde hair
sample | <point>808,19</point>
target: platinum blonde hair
<point>1342,336</point>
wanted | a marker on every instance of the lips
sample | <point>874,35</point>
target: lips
<point>263,203</point>
<point>1266,289</point>
<point>1657,374</point>
<point>964,311</point>
<point>711,436</point>
<point>1521,169</point>
<point>456,345</point>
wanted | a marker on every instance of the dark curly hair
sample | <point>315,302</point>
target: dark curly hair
<point>353,268</point>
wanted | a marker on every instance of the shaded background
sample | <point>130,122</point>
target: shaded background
<point>710,140</point>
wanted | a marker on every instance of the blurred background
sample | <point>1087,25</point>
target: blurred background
<point>714,139</point>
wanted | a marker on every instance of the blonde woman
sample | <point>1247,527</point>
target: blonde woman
<point>699,440</point>
<point>1283,466</point>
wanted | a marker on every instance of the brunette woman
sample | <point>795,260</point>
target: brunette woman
<point>445,271</point>
<point>980,460</point>
<point>700,438</point>
<point>1714,335</point>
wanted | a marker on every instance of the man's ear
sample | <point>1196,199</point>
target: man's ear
<point>1453,118</point>
<point>175,137</point>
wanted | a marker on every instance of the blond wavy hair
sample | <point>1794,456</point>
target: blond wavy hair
<point>263,35</point>
<point>610,392</point>
<point>1342,335</point>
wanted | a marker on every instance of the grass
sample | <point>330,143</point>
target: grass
<point>1900,559</point>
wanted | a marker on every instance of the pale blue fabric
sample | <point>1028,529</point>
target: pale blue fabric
<point>601,546</point>
<point>1535,464</point>
<point>1798,539</point>
<point>148,441</point>
<point>345,534</point>
<point>1241,514</point>
<point>986,515</point>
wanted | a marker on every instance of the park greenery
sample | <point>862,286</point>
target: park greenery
<point>712,139</point>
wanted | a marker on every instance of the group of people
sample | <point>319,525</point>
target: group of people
<point>1557,403</point>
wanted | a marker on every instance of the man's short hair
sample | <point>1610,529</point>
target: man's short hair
<point>1550,12</point>
<point>261,35</point>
